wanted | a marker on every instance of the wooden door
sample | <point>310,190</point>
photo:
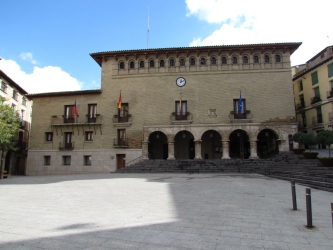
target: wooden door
<point>120,161</point>
<point>68,140</point>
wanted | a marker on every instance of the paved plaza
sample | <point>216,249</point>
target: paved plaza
<point>160,211</point>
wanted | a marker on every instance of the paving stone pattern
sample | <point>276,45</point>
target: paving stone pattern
<point>160,211</point>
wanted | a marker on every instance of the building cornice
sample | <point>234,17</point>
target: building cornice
<point>65,93</point>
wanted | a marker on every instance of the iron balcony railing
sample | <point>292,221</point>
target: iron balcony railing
<point>120,142</point>
<point>66,145</point>
<point>122,119</point>
<point>246,115</point>
<point>184,116</point>
<point>315,99</point>
<point>329,93</point>
<point>85,119</point>
<point>317,119</point>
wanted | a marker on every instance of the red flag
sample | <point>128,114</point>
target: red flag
<point>75,109</point>
<point>119,101</point>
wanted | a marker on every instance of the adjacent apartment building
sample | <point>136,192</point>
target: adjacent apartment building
<point>313,92</point>
<point>213,102</point>
<point>15,161</point>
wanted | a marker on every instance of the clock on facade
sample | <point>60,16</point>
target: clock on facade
<point>180,81</point>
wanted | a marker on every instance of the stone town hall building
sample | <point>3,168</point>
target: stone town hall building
<point>214,102</point>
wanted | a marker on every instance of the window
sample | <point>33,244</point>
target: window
<point>317,92</point>
<point>301,98</point>
<point>122,140</point>
<point>172,62</point>
<point>142,64</point>
<point>13,106</point>
<point>319,115</point>
<point>192,61</point>
<point>92,112</point>
<point>277,58</point>
<point>131,65</point>
<point>22,114</point>
<point>224,60</point>
<point>3,86</point>
<point>213,60</point>
<point>89,135</point>
<point>24,101</point>
<point>267,59</point>
<point>49,136</point>
<point>239,109</point>
<point>314,78</point>
<point>245,60</point>
<point>15,95</point>
<point>47,160</point>
<point>330,70</point>
<point>69,114</point>
<point>123,113</point>
<point>68,140</point>
<point>66,160</point>
<point>151,64</point>
<point>87,160</point>
<point>121,65</point>
<point>202,61</point>
<point>162,63</point>
<point>181,110</point>
<point>322,55</point>
<point>255,59</point>
<point>300,85</point>
<point>234,60</point>
<point>182,62</point>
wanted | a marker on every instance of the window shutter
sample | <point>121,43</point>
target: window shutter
<point>330,70</point>
<point>314,77</point>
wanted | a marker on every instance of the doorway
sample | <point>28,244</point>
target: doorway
<point>121,161</point>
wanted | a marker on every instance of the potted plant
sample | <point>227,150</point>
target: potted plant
<point>325,137</point>
<point>295,138</point>
<point>310,140</point>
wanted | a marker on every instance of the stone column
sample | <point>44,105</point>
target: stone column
<point>171,150</point>
<point>197,147</point>
<point>225,150</point>
<point>145,150</point>
<point>253,146</point>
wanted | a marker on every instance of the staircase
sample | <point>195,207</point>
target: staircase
<point>285,166</point>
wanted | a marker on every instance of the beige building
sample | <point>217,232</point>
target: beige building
<point>214,102</point>
<point>15,161</point>
<point>313,92</point>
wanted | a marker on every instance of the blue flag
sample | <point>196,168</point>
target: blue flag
<point>240,103</point>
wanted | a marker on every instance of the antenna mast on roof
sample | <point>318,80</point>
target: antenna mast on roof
<point>328,38</point>
<point>148,31</point>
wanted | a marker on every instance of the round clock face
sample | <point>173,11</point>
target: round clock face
<point>180,81</point>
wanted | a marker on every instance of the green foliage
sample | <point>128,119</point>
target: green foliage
<point>308,139</point>
<point>296,136</point>
<point>326,137</point>
<point>9,126</point>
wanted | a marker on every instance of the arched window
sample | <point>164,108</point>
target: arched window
<point>142,64</point>
<point>162,63</point>
<point>131,65</point>
<point>245,60</point>
<point>224,60</point>
<point>151,64</point>
<point>172,62</point>
<point>182,62</point>
<point>213,60</point>
<point>256,59</point>
<point>192,61</point>
<point>202,61</point>
<point>234,60</point>
<point>277,58</point>
<point>267,60</point>
<point>121,65</point>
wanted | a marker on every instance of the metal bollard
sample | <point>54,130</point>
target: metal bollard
<point>293,194</point>
<point>308,208</point>
<point>332,213</point>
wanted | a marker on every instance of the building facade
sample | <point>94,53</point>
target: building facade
<point>313,92</point>
<point>215,102</point>
<point>15,161</point>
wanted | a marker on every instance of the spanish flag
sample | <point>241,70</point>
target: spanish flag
<point>119,101</point>
<point>75,109</point>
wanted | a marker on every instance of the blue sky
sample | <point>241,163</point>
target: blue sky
<point>45,44</point>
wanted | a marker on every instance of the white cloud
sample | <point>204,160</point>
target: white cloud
<point>28,57</point>
<point>45,79</point>
<point>257,21</point>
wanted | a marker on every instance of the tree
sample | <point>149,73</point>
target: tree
<point>9,128</point>
<point>308,139</point>
<point>326,137</point>
<point>296,136</point>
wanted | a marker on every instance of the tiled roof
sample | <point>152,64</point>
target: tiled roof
<point>65,93</point>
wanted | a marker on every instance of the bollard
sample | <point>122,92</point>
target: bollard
<point>308,208</point>
<point>293,194</point>
<point>332,213</point>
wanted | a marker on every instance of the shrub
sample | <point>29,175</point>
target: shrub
<point>308,139</point>
<point>326,137</point>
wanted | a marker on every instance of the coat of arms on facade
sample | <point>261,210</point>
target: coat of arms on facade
<point>212,113</point>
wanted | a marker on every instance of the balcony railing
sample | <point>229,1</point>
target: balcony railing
<point>329,93</point>
<point>300,106</point>
<point>330,116</point>
<point>122,119</point>
<point>66,146</point>
<point>85,119</point>
<point>246,115</point>
<point>185,117</point>
<point>317,119</point>
<point>315,99</point>
<point>120,142</point>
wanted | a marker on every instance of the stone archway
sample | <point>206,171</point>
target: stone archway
<point>239,146</point>
<point>267,143</point>
<point>184,145</point>
<point>211,145</point>
<point>158,146</point>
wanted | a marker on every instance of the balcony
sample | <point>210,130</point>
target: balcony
<point>184,118</point>
<point>329,93</point>
<point>315,99</point>
<point>300,106</point>
<point>120,142</point>
<point>66,146</point>
<point>122,121</point>
<point>317,119</point>
<point>240,117</point>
